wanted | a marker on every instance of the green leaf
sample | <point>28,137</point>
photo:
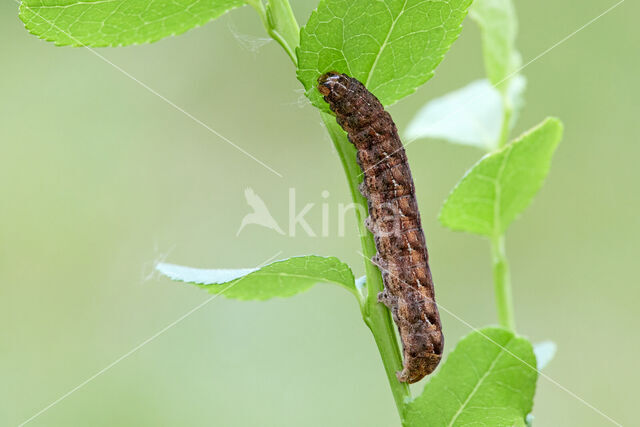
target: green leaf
<point>499,26</point>
<point>468,116</point>
<point>471,116</point>
<point>117,22</point>
<point>545,351</point>
<point>489,380</point>
<point>392,46</point>
<point>502,184</point>
<point>278,279</point>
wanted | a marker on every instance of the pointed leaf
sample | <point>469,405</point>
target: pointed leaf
<point>392,46</point>
<point>489,379</point>
<point>278,279</point>
<point>117,22</point>
<point>472,115</point>
<point>468,116</point>
<point>502,184</point>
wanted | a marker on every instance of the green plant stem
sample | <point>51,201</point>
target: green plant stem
<point>506,122</point>
<point>284,27</point>
<point>507,108</point>
<point>279,21</point>
<point>502,284</point>
<point>501,274</point>
<point>376,316</point>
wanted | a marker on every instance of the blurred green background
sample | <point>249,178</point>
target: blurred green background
<point>101,179</point>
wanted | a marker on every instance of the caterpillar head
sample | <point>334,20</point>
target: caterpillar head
<point>333,85</point>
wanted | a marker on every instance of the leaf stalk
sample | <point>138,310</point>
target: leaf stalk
<point>376,316</point>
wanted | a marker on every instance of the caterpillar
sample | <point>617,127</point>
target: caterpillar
<point>394,220</point>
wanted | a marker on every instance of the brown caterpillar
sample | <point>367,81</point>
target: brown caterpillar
<point>393,219</point>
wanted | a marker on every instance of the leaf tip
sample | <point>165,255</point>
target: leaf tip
<point>555,124</point>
